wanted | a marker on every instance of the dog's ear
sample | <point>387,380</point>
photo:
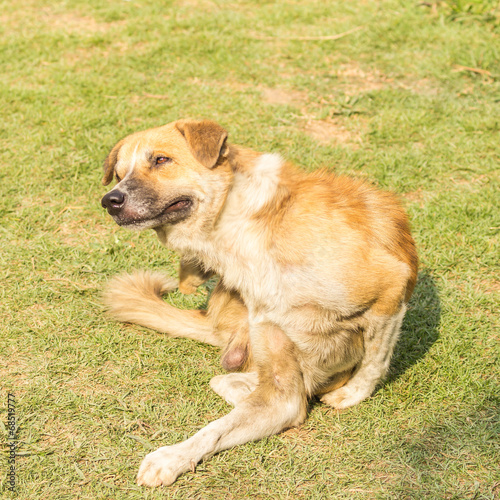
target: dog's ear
<point>109,164</point>
<point>205,139</point>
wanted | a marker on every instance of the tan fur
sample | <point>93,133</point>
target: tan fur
<point>315,274</point>
<point>191,276</point>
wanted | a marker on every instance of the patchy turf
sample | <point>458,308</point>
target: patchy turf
<point>408,98</point>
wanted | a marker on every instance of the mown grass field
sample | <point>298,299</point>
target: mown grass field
<point>410,101</point>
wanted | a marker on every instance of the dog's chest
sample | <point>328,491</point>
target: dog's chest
<point>238,254</point>
<point>237,251</point>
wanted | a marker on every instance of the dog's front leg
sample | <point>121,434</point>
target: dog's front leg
<point>278,402</point>
<point>191,276</point>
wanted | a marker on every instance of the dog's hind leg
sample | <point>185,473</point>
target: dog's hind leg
<point>380,338</point>
<point>229,315</point>
<point>137,298</point>
<point>278,402</point>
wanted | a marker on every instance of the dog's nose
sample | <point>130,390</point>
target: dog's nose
<point>113,201</point>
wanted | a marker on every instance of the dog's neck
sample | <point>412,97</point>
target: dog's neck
<point>252,189</point>
<point>255,181</point>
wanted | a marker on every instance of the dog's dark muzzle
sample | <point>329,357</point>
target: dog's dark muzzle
<point>113,201</point>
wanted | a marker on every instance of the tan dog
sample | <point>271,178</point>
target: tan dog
<point>315,274</point>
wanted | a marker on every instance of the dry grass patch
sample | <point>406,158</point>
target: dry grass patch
<point>284,97</point>
<point>417,197</point>
<point>423,86</point>
<point>333,131</point>
<point>488,286</point>
<point>72,22</point>
<point>50,19</point>
<point>354,80</point>
<point>279,96</point>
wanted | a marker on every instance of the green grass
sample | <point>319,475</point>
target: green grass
<point>411,102</point>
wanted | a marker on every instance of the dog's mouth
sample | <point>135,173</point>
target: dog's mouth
<point>175,211</point>
<point>181,204</point>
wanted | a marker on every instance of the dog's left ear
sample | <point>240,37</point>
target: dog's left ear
<point>205,139</point>
<point>109,164</point>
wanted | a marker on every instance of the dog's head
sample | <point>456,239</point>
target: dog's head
<point>165,175</point>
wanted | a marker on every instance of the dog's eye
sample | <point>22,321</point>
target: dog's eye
<point>160,160</point>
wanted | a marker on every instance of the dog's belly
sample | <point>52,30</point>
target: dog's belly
<point>267,286</point>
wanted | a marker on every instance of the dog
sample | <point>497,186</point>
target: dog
<point>315,274</point>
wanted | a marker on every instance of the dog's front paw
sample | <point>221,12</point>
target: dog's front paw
<point>163,466</point>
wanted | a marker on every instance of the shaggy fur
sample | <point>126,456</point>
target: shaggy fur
<point>315,274</point>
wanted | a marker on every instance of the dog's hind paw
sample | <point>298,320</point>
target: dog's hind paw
<point>345,397</point>
<point>234,387</point>
<point>163,466</point>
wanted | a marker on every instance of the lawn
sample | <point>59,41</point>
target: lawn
<point>408,97</point>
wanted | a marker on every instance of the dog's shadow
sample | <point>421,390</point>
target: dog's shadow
<point>420,327</point>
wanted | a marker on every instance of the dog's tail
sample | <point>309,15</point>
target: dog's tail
<point>137,298</point>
